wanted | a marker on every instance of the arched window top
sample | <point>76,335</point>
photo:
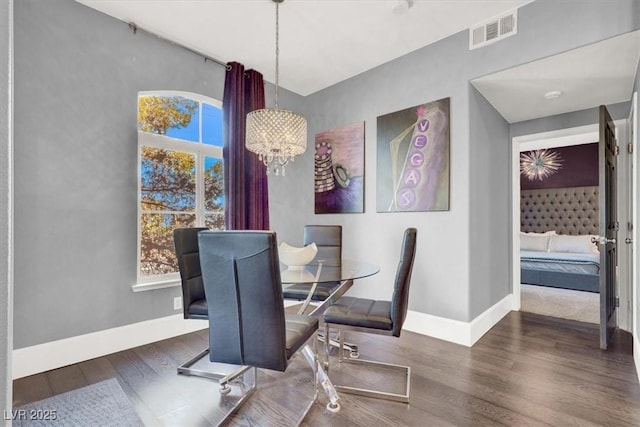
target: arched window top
<point>181,115</point>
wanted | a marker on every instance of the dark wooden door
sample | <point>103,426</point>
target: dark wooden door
<point>608,228</point>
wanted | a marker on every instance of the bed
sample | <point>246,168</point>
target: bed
<point>555,242</point>
<point>564,270</point>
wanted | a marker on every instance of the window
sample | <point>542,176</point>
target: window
<point>180,176</point>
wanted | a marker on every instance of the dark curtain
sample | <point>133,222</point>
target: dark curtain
<point>245,178</point>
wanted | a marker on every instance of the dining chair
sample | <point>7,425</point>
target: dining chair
<point>194,304</point>
<point>376,317</point>
<point>328,239</point>
<point>248,324</point>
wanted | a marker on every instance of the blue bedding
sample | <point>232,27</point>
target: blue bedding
<point>576,271</point>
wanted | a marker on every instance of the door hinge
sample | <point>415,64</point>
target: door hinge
<point>617,301</point>
<point>630,148</point>
<point>616,226</point>
<point>616,150</point>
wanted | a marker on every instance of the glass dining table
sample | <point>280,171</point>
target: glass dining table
<point>344,273</point>
<point>322,271</point>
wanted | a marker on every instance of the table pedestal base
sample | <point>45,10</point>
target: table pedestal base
<point>323,379</point>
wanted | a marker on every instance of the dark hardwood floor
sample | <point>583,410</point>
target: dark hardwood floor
<point>528,370</point>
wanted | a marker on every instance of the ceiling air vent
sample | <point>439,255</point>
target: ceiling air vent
<point>494,29</point>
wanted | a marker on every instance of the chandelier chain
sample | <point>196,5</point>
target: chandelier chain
<point>277,51</point>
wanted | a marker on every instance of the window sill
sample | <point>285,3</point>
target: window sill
<point>158,284</point>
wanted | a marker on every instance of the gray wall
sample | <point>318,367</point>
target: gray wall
<point>450,280</point>
<point>6,282</point>
<point>489,209</point>
<point>440,275</point>
<point>77,77</point>
<point>78,72</point>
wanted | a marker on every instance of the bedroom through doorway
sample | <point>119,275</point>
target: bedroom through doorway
<point>561,302</point>
<point>559,217</point>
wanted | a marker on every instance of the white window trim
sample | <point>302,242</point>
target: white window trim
<point>157,284</point>
<point>200,150</point>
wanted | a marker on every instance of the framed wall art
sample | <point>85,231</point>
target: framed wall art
<point>413,159</point>
<point>339,170</point>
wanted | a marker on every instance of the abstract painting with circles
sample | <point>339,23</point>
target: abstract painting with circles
<point>412,173</point>
<point>339,170</point>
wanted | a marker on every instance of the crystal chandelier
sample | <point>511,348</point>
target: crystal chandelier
<point>540,164</point>
<point>276,135</point>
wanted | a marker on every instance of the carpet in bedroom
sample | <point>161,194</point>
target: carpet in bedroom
<point>562,303</point>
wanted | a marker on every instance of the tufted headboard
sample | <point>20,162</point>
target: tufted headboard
<point>572,210</point>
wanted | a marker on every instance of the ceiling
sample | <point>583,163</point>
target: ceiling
<point>323,42</point>
<point>600,73</point>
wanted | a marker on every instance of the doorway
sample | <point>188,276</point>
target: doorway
<point>553,139</point>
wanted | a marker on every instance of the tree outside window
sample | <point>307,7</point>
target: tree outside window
<point>181,176</point>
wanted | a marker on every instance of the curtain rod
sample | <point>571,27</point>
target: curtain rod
<point>135,29</point>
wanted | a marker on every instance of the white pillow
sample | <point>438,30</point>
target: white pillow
<point>531,233</point>
<point>529,242</point>
<point>574,244</point>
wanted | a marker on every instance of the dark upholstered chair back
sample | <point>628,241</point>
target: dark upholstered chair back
<point>328,239</point>
<point>242,270</point>
<point>400,299</point>
<point>185,241</point>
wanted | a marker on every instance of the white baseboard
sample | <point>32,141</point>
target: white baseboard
<point>56,354</point>
<point>437,327</point>
<point>455,331</point>
<point>29,360</point>
<point>485,321</point>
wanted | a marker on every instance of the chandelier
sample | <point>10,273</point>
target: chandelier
<point>276,135</point>
<point>540,164</point>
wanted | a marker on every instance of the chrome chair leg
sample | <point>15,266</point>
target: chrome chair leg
<point>243,398</point>
<point>186,369</point>
<point>346,346</point>
<point>397,397</point>
<point>310,354</point>
<point>225,388</point>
